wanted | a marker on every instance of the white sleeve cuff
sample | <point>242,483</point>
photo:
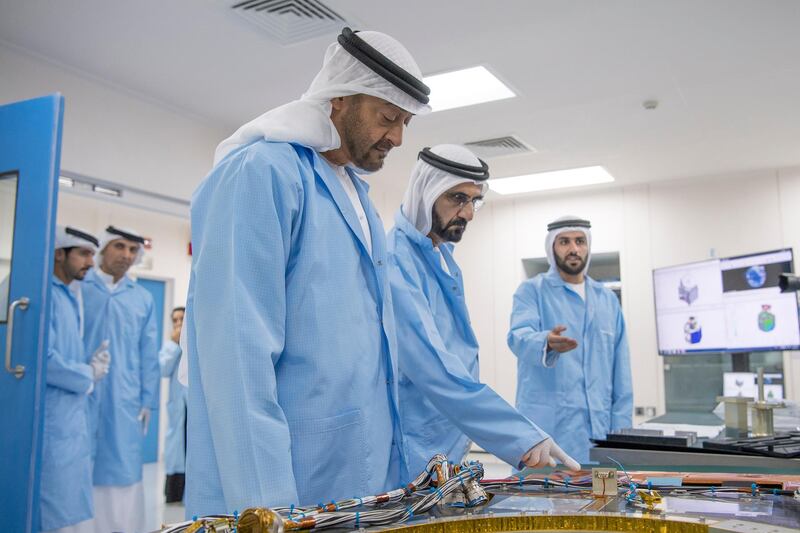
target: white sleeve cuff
<point>549,358</point>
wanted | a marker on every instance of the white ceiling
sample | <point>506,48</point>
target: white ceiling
<point>726,72</point>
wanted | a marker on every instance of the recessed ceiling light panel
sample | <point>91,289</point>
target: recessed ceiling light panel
<point>547,181</point>
<point>470,86</point>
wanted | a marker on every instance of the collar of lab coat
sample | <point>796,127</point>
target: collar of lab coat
<point>554,279</point>
<point>328,176</point>
<point>405,225</point>
<point>96,278</point>
<point>426,245</point>
<point>58,283</point>
<point>75,299</point>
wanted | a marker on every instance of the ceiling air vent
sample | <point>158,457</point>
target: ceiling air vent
<point>291,21</point>
<point>500,146</point>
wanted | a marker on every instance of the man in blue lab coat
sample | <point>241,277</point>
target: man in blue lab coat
<point>122,311</point>
<point>290,328</point>
<point>175,440</point>
<point>443,404</point>
<point>568,333</point>
<point>66,474</point>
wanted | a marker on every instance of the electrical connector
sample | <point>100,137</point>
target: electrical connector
<point>604,482</point>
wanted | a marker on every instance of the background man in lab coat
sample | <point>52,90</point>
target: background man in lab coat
<point>568,333</point>
<point>120,310</point>
<point>66,474</point>
<point>443,404</point>
<point>175,440</point>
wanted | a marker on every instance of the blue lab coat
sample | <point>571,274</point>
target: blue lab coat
<point>292,392</point>
<point>442,401</point>
<point>175,440</point>
<point>581,394</point>
<point>127,318</point>
<point>66,475</point>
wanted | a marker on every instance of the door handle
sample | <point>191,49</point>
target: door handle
<point>22,303</point>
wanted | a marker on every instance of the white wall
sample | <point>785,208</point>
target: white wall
<point>651,226</point>
<point>113,135</point>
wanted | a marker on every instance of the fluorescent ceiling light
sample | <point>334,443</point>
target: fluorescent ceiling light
<point>461,88</point>
<point>545,181</point>
<point>66,182</point>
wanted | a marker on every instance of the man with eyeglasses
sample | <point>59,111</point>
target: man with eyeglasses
<point>442,402</point>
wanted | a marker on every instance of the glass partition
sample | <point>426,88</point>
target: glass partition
<point>8,208</point>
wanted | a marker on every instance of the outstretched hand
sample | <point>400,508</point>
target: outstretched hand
<point>558,342</point>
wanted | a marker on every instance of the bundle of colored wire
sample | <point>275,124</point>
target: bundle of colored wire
<point>439,480</point>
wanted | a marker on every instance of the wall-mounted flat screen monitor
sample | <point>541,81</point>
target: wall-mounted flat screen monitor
<point>731,304</point>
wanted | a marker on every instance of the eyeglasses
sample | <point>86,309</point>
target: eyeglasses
<point>459,200</point>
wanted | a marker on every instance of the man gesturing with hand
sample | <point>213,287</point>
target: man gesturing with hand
<point>568,334</point>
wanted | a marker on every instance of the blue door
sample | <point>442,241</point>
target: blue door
<point>150,441</point>
<point>30,149</point>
